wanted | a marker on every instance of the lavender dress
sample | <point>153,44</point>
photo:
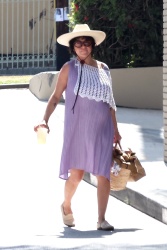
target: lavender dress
<point>88,132</point>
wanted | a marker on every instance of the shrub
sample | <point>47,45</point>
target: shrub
<point>133,29</point>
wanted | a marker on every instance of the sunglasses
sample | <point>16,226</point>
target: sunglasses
<point>79,44</point>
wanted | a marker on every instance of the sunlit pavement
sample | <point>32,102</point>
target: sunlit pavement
<point>31,192</point>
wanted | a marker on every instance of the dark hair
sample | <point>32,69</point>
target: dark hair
<point>87,38</point>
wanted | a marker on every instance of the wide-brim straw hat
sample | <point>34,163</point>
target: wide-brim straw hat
<point>81,30</point>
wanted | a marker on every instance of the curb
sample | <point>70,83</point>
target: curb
<point>136,200</point>
<point>14,86</point>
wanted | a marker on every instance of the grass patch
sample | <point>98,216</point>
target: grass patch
<point>15,79</point>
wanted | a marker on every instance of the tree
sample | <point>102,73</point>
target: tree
<point>133,28</point>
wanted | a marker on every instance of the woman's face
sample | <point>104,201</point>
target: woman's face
<point>82,47</point>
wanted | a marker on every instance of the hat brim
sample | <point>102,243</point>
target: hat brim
<point>98,36</point>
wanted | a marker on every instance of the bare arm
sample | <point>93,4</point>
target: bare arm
<point>117,136</point>
<point>56,95</point>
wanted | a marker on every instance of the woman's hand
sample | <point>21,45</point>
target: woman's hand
<point>43,124</point>
<point>117,136</point>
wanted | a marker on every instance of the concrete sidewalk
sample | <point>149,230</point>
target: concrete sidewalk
<point>141,130</point>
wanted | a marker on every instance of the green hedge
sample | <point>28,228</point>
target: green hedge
<point>134,30</point>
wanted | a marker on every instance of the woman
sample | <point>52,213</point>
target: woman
<point>90,126</point>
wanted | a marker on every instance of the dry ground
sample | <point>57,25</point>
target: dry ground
<point>15,79</point>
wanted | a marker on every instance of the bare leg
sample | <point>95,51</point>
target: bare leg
<point>103,191</point>
<point>71,185</point>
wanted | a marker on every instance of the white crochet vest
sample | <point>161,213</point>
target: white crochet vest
<point>96,84</point>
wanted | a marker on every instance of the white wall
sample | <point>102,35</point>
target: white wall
<point>165,78</point>
<point>138,87</point>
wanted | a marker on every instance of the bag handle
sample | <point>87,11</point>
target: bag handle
<point>118,144</point>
